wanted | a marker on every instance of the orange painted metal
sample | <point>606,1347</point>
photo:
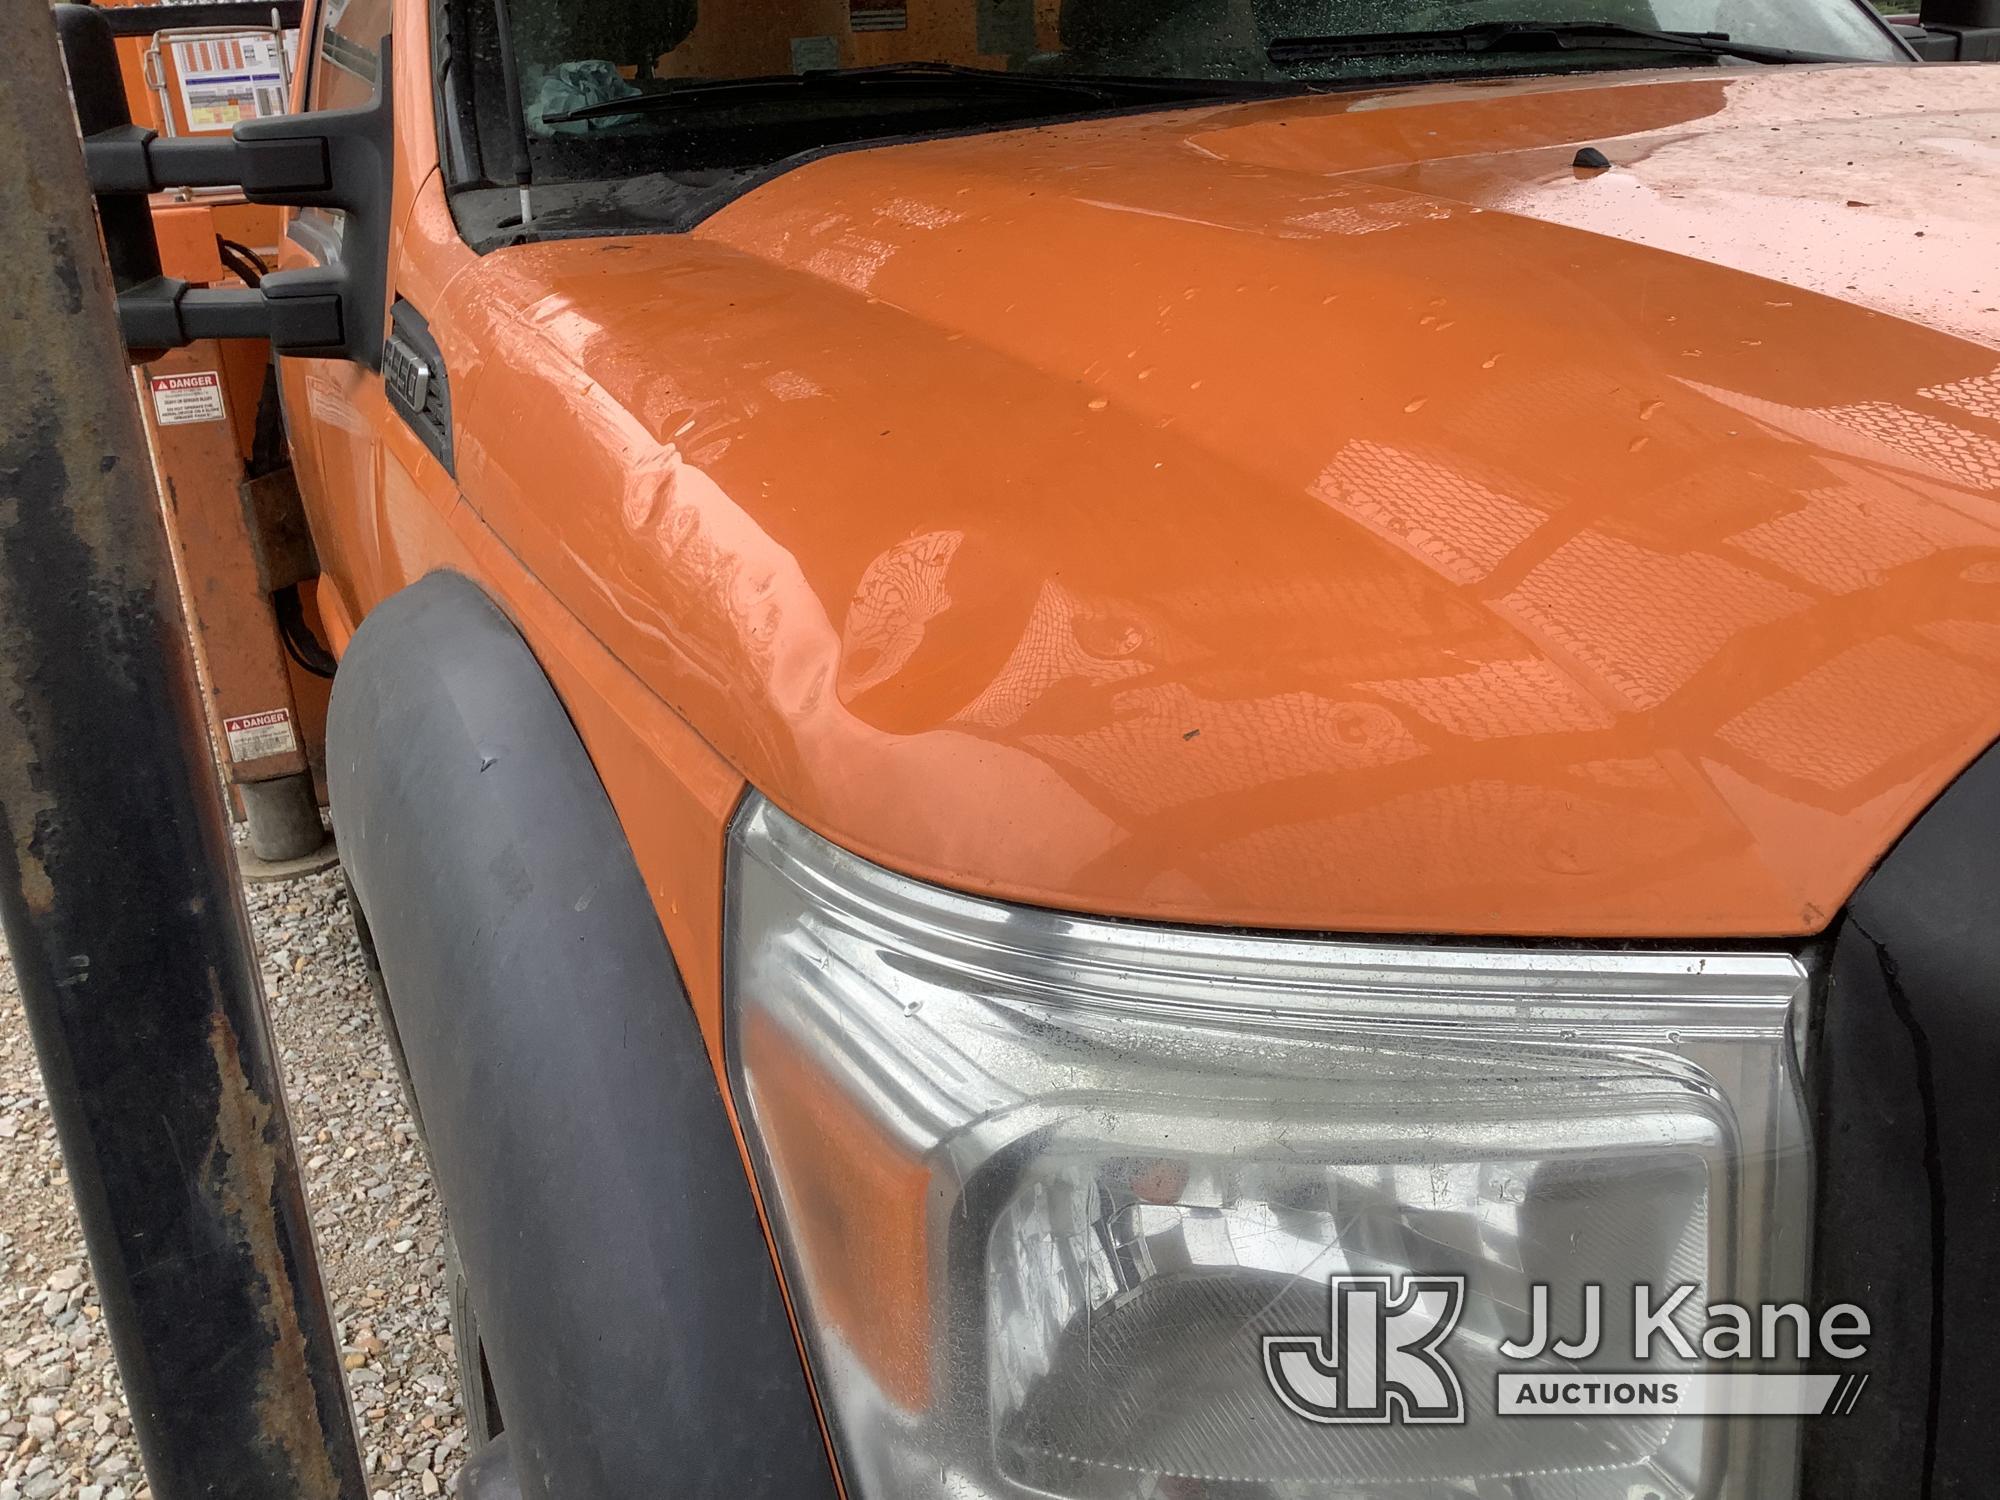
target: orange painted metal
<point>200,468</point>
<point>1196,516</point>
<point>188,232</point>
<point>1312,514</point>
<point>1319,514</point>
<point>187,239</point>
<point>140,101</point>
<point>243,668</point>
<point>200,465</point>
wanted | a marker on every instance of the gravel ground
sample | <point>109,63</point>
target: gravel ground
<point>63,1428</point>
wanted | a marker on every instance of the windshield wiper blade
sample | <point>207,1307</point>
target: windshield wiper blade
<point>1074,82</point>
<point>845,80</point>
<point>1532,36</point>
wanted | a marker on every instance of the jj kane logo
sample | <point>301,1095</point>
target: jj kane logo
<point>1380,1359</point>
<point>1384,1357</point>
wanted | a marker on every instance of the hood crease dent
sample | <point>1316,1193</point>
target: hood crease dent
<point>1334,514</point>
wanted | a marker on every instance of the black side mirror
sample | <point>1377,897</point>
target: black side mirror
<point>332,159</point>
<point>1960,12</point>
<point>1958,31</point>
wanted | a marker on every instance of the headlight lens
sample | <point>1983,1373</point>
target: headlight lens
<point>1043,1183</point>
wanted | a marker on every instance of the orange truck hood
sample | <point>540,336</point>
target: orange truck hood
<point>1335,514</point>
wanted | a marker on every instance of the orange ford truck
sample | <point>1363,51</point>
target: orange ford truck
<point>1170,749</point>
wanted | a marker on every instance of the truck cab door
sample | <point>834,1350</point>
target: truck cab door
<point>334,409</point>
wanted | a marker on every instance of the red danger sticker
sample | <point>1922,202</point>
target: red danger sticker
<point>878,15</point>
<point>255,736</point>
<point>180,399</point>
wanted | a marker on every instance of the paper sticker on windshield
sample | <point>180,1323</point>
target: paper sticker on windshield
<point>815,54</point>
<point>878,15</point>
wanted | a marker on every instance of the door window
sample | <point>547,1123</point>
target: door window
<point>346,61</point>
<point>347,43</point>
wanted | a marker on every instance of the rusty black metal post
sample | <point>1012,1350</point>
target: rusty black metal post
<point>118,883</point>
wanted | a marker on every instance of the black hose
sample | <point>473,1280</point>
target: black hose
<point>248,265</point>
<point>301,645</point>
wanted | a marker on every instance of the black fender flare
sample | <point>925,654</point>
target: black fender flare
<point>1906,1054</point>
<point>633,1322</point>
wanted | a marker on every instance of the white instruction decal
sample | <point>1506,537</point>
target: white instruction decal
<point>194,397</point>
<point>254,736</point>
<point>229,79</point>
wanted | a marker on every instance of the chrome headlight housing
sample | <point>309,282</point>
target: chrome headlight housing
<point>1044,1184</point>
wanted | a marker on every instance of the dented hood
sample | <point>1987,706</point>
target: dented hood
<point>1335,514</point>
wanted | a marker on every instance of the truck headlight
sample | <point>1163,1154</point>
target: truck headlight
<point>1042,1184</point>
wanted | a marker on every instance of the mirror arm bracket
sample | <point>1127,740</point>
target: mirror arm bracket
<point>300,314</point>
<point>341,160</point>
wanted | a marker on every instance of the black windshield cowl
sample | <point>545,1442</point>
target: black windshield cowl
<point>907,79</point>
<point>1531,36</point>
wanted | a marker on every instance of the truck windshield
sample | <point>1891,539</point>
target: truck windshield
<point>613,89</point>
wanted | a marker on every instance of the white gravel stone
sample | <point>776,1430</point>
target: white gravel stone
<point>63,1423</point>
